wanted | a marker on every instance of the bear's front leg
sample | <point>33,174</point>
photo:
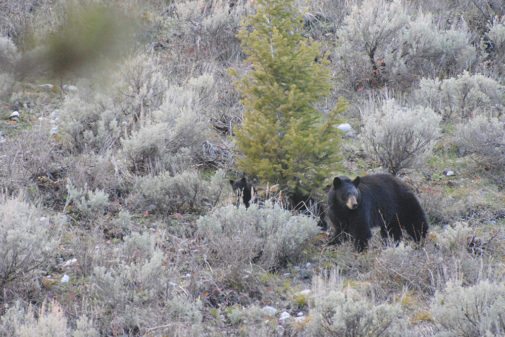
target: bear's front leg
<point>361,231</point>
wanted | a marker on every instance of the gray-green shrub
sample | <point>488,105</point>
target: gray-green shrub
<point>99,172</point>
<point>201,30</point>
<point>463,96</point>
<point>27,245</point>
<point>379,44</point>
<point>142,82</point>
<point>89,122</point>
<point>444,256</point>
<point>186,191</point>
<point>343,311</point>
<point>28,155</point>
<point>48,321</point>
<point>136,289</point>
<point>91,204</point>
<point>176,130</point>
<point>399,137</point>
<point>367,32</point>
<point>470,311</point>
<point>9,54</point>
<point>423,49</point>
<point>484,138</point>
<point>8,57</point>
<point>493,47</point>
<point>269,236</point>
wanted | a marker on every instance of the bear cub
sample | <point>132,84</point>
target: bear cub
<point>243,189</point>
<point>355,206</point>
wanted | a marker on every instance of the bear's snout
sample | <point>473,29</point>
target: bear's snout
<point>352,203</point>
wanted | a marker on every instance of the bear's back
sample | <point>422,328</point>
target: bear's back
<point>381,183</point>
<point>385,192</point>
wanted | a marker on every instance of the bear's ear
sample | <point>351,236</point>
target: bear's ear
<point>356,181</point>
<point>336,182</point>
<point>244,180</point>
<point>232,182</point>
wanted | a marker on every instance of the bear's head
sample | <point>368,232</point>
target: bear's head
<point>238,186</point>
<point>241,189</point>
<point>344,193</point>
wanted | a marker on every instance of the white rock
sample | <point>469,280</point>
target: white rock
<point>300,314</point>
<point>305,292</point>
<point>449,173</point>
<point>65,278</point>
<point>47,86</point>
<point>346,127</point>
<point>69,87</point>
<point>284,316</point>
<point>15,114</point>
<point>269,311</point>
<point>69,263</point>
<point>55,114</point>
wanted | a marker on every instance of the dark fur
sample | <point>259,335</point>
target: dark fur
<point>242,188</point>
<point>381,200</point>
<point>309,205</point>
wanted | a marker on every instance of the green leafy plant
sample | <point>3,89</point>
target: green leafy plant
<point>284,139</point>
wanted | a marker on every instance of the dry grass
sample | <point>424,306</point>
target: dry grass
<point>119,222</point>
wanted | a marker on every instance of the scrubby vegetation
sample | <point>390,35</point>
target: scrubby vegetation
<point>122,122</point>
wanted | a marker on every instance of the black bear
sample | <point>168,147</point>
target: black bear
<point>355,206</point>
<point>242,188</point>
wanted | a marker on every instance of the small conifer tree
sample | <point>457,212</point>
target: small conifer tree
<point>284,139</point>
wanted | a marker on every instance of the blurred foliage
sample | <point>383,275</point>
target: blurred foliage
<point>88,34</point>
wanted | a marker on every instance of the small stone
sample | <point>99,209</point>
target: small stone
<point>346,127</point>
<point>269,311</point>
<point>55,114</point>
<point>47,86</point>
<point>69,87</point>
<point>14,115</point>
<point>305,292</point>
<point>284,316</point>
<point>449,173</point>
<point>70,263</point>
<point>299,314</point>
<point>65,278</point>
